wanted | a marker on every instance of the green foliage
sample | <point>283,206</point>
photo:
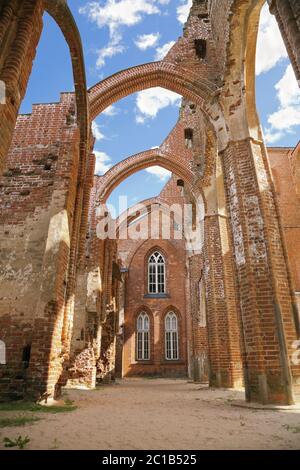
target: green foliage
<point>35,408</point>
<point>293,429</point>
<point>18,421</point>
<point>69,402</point>
<point>19,442</point>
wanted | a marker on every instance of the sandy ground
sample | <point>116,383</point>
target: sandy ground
<point>160,414</point>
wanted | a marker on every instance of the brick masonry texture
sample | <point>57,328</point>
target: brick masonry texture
<point>68,299</point>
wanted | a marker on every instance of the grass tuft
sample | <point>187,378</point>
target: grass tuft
<point>19,442</point>
<point>293,429</point>
<point>35,408</point>
<point>18,421</point>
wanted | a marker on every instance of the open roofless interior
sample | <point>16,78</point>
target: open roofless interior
<point>200,282</point>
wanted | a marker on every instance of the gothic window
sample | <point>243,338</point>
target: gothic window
<point>171,332</point>
<point>143,337</point>
<point>156,274</point>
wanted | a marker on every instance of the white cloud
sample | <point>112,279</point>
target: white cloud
<point>161,173</point>
<point>183,10</point>
<point>287,116</point>
<point>117,13</point>
<point>145,41</point>
<point>103,163</point>
<point>270,45</point>
<point>150,102</point>
<point>162,51</point>
<point>111,49</point>
<point>111,111</point>
<point>96,131</point>
<point>287,88</point>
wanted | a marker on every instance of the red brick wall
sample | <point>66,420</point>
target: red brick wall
<point>37,192</point>
<point>289,204</point>
<point>134,255</point>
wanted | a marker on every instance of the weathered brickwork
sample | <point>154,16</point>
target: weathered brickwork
<point>37,199</point>
<point>68,305</point>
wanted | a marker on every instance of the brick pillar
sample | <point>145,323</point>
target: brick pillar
<point>20,30</point>
<point>222,313</point>
<point>197,319</point>
<point>268,311</point>
<point>287,13</point>
<point>46,362</point>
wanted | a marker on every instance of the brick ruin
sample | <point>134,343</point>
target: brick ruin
<point>69,300</point>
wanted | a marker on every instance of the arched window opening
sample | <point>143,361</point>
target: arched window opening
<point>156,274</point>
<point>171,329</point>
<point>143,337</point>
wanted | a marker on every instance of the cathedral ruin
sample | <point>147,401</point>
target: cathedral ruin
<point>75,308</point>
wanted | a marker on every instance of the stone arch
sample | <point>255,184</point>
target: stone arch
<point>140,161</point>
<point>251,173</point>
<point>166,75</point>
<point>154,74</point>
<point>63,16</point>
<point>22,26</point>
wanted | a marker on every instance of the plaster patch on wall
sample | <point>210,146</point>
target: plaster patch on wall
<point>235,223</point>
<point>257,245</point>
<point>262,177</point>
<point>21,275</point>
<point>58,231</point>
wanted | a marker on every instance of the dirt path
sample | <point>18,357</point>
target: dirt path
<point>160,414</point>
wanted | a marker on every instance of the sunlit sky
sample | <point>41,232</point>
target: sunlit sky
<point>117,34</point>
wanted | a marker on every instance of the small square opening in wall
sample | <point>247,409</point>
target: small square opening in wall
<point>201,48</point>
<point>188,138</point>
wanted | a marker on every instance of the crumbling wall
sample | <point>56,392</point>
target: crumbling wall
<point>37,204</point>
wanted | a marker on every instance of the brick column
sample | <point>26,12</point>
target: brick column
<point>46,362</point>
<point>222,314</point>
<point>197,319</point>
<point>20,30</point>
<point>268,310</point>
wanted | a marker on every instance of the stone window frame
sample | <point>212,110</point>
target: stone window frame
<point>173,332</point>
<point>164,295</point>
<point>144,308</point>
<point>180,333</point>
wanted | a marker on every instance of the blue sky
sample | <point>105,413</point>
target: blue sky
<point>118,34</point>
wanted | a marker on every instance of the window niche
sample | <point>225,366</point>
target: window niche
<point>201,48</point>
<point>26,353</point>
<point>188,138</point>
